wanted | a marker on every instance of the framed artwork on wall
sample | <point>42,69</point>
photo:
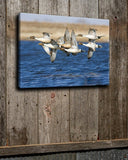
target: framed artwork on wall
<point>61,51</point>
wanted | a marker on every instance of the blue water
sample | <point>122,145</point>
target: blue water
<point>35,69</point>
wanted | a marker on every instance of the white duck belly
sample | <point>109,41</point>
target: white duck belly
<point>49,45</point>
<point>73,50</point>
<point>45,40</point>
<point>91,37</point>
<point>91,45</point>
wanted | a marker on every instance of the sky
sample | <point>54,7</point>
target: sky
<point>62,19</point>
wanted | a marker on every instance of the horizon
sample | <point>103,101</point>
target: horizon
<point>29,17</point>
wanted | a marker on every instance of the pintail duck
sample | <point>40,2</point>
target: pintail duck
<point>53,46</point>
<point>67,40</point>
<point>74,46</point>
<point>92,47</point>
<point>91,35</point>
<point>45,39</point>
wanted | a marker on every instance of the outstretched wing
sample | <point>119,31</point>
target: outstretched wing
<point>73,40</point>
<point>60,40</point>
<point>92,32</point>
<point>66,36</point>
<point>47,50</point>
<point>46,35</point>
<point>90,53</point>
<point>53,42</point>
<point>53,55</point>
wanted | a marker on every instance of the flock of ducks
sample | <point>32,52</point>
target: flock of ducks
<point>68,43</point>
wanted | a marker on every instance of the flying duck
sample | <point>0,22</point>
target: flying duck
<point>67,39</point>
<point>74,46</point>
<point>45,39</point>
<point>51,49</point>
<point>91,35</point>
<point>92,47</point>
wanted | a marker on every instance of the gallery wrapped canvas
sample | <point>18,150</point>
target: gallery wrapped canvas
<point>60,51</point>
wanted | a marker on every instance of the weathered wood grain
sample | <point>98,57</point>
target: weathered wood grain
<point>63,115</point>
<point>21,105</point>
<point>113,100</point>
<point>84,8</point>
<point>63,147</point>
<point>2,74</point>
<point>104,113</point>
<point>84,101</point>
<point>54,103</point>
<point>127,79</point>
<point>104,102</point>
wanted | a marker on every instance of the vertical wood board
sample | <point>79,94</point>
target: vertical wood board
<point>54,103</point>
<point>21,105</point>
<point>114,116</point>
<point>84,101</point>
<point>2,74</point>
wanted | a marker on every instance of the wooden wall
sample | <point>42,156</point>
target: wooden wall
<point>70,114</point>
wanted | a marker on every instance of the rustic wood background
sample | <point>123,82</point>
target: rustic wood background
<point>70,114</point>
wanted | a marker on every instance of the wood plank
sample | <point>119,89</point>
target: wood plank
<point>104,125</point>
<point>54,103</point>
<point>114,112</point>
<point>104,114</point>
<point>127,67</point>
<point>84,101</point>
<point>62,147</point>
<point>2,74</point>
<point>21,105</point>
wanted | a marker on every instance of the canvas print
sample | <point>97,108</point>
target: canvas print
<point>62,51</point>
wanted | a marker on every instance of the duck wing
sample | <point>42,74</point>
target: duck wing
<point>53,55</point>
<point>73,40</point>
<point>66,36</point>
<point>60,41</point>
<point>47,50</point>
<point>92,32</point>
<point>90,53</point>
<point>46,35</point>
<point>54,43</point>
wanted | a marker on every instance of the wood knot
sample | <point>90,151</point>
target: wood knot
<point>52,95</point>
<point>115,17</point>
